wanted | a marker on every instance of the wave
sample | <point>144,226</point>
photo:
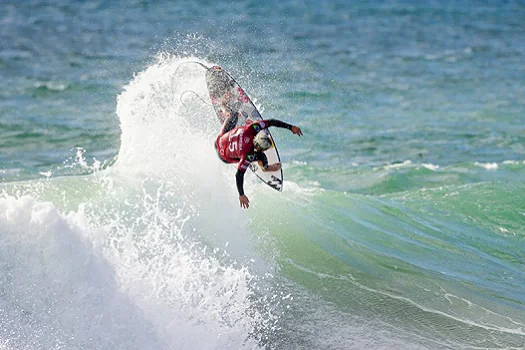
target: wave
<point>57,288</point>
<point>404,176</point>
<point>152,251</point>
<point>133,255</point>
<point>407,261</point>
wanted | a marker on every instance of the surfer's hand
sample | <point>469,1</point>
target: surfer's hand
<point>273,167</point>
<point>297,130</point>
<point>245,202</point>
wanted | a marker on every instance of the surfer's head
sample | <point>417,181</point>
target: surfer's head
<point>262,142</point>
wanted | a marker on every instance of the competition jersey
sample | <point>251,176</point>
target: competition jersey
<point>236,146</point>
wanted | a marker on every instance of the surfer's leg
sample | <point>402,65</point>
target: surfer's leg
<point>229,123</point>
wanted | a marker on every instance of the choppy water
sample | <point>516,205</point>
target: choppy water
<point>401,223</point>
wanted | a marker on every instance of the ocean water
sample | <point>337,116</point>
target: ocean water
<point>401,224</point>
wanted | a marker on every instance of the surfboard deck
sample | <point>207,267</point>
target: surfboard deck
<point>220,82</point>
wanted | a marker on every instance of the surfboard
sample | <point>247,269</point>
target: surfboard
<point>220,82</point>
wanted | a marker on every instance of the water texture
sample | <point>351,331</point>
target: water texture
<point>401,222</point>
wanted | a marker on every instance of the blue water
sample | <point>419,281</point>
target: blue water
<point>401,222</point>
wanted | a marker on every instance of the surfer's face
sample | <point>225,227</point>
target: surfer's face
<point>260,149</point>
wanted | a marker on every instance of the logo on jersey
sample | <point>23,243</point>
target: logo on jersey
<point>250,157</point>
<point>246,139</point>
<point>240,139</point>
<point>256,127</point>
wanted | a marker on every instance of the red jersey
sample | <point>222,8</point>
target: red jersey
<point>236,146</point>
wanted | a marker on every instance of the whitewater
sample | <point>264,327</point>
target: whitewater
<point>118,262</point>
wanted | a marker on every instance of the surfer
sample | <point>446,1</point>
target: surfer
<point>246,144</point>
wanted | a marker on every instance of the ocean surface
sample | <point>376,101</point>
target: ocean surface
<point>401,224</point>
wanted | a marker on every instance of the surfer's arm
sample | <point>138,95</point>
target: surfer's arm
<point>280,124</point>
<point>239,179</point>
<point>243,200</point>
<point>239,176</point>
<point>272,167</point>
<point>263,163</point>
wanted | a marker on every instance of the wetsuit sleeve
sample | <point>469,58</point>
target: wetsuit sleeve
<point>278,123</point>
<point>262,158</point>
<point>239,179</point>
<point>244,163</point>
